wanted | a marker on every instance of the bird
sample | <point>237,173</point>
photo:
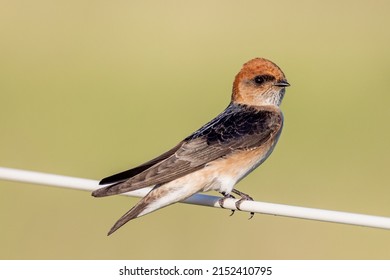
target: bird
<point>216,156</point>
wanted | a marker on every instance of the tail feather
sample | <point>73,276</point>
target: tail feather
<point>160,196</point>
<point>130,215</point>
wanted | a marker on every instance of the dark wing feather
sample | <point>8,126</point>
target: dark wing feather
<point>123,176</point>
<point>238,127</point>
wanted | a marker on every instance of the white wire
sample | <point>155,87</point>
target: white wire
<point>205,200</point>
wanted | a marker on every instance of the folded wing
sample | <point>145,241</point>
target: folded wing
<point>238,127</point>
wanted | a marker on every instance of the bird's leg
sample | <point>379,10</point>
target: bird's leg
<point>244,197</point>
<point>221,201</point>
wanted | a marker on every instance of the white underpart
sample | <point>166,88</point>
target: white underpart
<point>223,183</point>
<point>272,96</point>
<point>176,190</point>
<point>203,180</point>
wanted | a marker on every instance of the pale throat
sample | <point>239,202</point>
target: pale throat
<point>270,97</point>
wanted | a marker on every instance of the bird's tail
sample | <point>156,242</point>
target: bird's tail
<point>160,196</point>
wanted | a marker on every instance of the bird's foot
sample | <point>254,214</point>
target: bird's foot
<point>244,197</point>
<point>221,201</point>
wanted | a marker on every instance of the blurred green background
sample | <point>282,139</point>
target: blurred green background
<point>90,88</point>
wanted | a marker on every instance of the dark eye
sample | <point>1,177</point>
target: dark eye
<point>262,79</point>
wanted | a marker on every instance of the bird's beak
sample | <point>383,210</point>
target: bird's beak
<point>282,83</point>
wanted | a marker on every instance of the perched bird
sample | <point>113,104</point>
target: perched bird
<point>216,156</point>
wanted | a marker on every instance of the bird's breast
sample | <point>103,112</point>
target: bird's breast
<point>227,171</point>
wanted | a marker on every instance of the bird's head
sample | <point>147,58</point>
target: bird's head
<point>260,82</point>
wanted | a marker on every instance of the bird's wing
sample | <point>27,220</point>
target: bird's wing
<point>123,176</point>
<point>238,127</point>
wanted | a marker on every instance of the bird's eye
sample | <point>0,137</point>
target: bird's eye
<point>262,79</point>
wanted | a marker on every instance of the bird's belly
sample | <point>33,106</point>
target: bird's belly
<point>226,172</point>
